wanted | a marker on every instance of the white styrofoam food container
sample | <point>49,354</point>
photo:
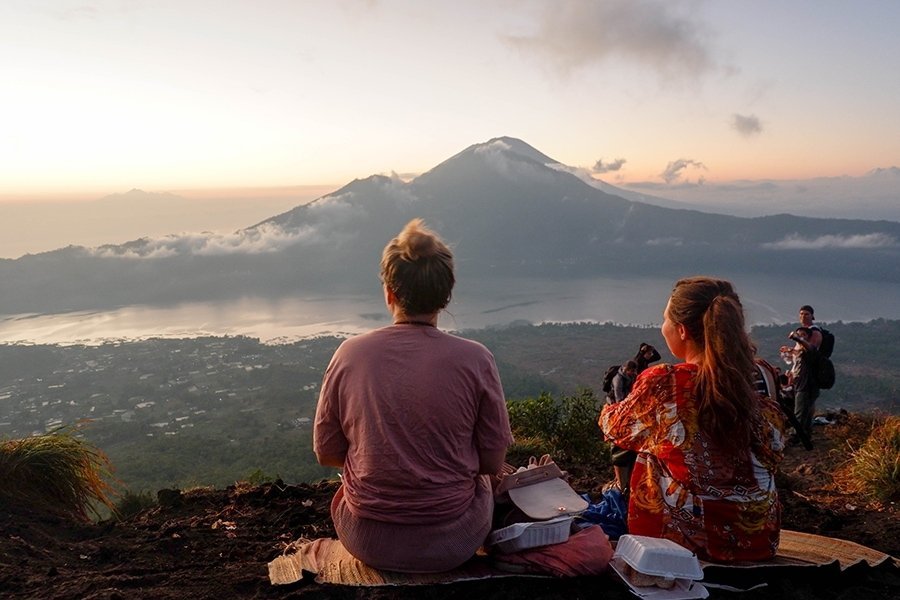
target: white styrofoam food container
<point>682,589</point>
<point>520,536</point>
<point>660,557</point>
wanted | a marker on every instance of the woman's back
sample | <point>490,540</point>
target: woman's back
<point>416,418</point>
<point>413,405</point>
<point>721,503</point>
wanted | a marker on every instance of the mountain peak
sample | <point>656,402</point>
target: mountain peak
<point>514,146</point>
<point>507,156</point>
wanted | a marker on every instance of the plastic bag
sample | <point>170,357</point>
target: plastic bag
<point>610,513</point>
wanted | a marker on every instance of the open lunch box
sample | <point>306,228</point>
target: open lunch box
<point>520,536</point>
<point>548,502</point>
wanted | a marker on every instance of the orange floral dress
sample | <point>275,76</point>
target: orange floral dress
<point>723,506</point>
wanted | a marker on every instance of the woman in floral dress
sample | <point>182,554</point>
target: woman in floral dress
<point>708,443</point>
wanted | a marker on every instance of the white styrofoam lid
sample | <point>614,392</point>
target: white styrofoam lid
<point>658,556</point>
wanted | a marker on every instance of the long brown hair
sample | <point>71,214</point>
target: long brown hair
<point>417,266</point>
<point>711,312</point>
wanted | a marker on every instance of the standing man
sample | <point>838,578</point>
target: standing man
<point>808,338</point>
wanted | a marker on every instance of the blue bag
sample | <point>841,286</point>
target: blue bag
<point>611,513</point>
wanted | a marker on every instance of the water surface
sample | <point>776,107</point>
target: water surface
<point>475,305</point>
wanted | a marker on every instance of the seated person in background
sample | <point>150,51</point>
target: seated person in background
<point>708,444</point>
<point>623,460</point>
<point>417,420</point>
<point>646,354</point>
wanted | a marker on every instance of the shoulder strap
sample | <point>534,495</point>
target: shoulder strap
<point>767,371</point>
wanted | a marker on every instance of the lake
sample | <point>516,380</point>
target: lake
<point>475,305</point>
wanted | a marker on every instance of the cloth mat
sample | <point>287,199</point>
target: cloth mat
<point>800,555</point>
<point>807,549</point>
<point>331,563</point>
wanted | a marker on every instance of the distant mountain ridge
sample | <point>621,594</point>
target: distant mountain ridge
<point>873,196</point>
<point>507,209</point>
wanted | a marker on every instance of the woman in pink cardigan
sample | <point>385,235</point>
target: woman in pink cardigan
<point>416,419</point>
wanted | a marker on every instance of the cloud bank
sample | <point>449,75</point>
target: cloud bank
<point>798,242</point>
<point>265,238</point>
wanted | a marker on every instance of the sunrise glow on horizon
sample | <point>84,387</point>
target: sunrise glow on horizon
<point>105,96</point>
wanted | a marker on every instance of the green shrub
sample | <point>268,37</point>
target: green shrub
<point>526,446</point>
<point>565,428</point>
<point>875,466</point>
<point>259,477</point>
<point>534,417</point>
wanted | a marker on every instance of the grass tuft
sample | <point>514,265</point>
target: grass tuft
<point>875,465</point>
<point>57,473</point>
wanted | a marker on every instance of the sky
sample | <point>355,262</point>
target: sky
<point>99,97</point>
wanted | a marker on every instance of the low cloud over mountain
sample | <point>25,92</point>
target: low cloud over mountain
<point>798,242</point>
<point>265,238</point>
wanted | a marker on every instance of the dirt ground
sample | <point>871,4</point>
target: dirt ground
<point>216,543</point>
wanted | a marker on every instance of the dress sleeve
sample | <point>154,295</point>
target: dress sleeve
<point>492,430</point>
<point>771,433</point>
<point>328,433</point>
<point>633,423</point>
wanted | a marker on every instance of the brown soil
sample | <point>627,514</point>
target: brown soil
<point>216,543</point>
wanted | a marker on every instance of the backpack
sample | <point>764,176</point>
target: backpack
<point>824,369</point>
<point>827,345</point>
<point>823,372</point>
<point>608,377</point>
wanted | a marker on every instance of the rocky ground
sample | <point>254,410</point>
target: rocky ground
<point>207,543</point>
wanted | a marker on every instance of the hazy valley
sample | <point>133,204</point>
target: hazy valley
<point>186,412</point>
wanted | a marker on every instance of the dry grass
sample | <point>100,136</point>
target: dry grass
<point>57,473</point>
<point>874,467</point>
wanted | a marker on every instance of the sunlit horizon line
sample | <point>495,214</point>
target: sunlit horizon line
<point>63,193</point>
<point>199,193</point>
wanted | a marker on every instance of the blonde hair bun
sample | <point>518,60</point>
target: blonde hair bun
<point>417,241</point>
<point>417,266</point>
